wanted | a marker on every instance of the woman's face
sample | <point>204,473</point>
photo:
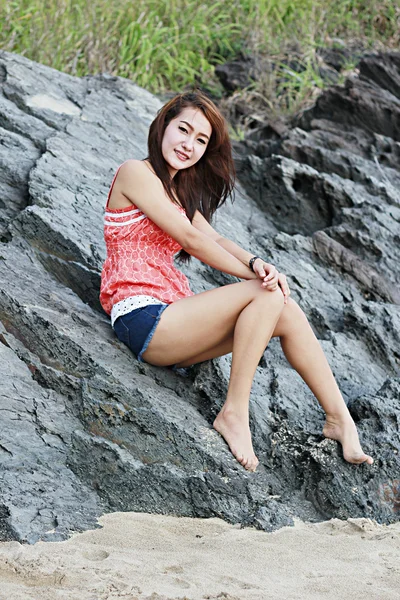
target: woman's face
<point>185,139</point>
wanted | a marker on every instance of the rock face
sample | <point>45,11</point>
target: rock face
<point>87,429</point>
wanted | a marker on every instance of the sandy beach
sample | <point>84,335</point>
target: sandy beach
<point>138,556</point>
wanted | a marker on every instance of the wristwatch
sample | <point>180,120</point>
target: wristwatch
<point>252,261</point>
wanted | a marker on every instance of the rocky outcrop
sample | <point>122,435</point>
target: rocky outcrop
<point>87,429</point>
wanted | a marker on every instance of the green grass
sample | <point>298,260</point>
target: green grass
<point>167,45</point>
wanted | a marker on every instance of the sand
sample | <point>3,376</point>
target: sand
<point>138,556</point>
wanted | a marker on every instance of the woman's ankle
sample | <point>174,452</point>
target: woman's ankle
<point>339,417</point>
<point>234,411</point>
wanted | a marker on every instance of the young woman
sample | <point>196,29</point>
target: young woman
<point>164,204</point>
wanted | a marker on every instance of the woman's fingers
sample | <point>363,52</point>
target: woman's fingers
<point>259,269</point>
<point>264,270</point>
<point>271,277</point>
<point>284,286</point>
<point>278,280</point>
<point>271,271</point>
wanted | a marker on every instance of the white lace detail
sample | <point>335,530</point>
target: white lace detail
<point>128,304</point>
<point>122,223</point>
<point>127,213</point>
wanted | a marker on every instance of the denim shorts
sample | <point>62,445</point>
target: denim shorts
<point>136,328</point>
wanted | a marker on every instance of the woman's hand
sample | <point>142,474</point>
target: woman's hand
<point>272,279</point>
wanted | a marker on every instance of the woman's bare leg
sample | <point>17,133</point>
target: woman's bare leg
<point>305,354</point>
<point>248,346</point>
<point>243,312</point>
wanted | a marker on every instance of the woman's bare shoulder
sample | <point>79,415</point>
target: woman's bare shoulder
<point>136,175</point>
<point>136,168</point>
<point>132,175</point>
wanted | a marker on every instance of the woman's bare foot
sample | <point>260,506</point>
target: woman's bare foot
<point>345,432</point>
<point>236,432</point>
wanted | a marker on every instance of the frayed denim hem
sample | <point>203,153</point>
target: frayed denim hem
<point>149,337</point>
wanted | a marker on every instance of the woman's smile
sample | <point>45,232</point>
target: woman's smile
<point>181,155</point>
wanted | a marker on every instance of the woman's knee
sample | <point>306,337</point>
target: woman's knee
<point>291,320</point>
<point>295,308</point>
<point>278,298</point>
<point>292,313</point>
<point>271,298</point>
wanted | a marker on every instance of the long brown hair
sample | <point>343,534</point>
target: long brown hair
<point>207,184</point>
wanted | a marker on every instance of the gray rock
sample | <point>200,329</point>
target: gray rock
<point>86,428</point>
<point>333,252</point>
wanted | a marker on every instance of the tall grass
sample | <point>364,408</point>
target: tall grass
<point>169,44</point>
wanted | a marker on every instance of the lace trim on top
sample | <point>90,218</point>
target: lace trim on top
<point>132,303</point>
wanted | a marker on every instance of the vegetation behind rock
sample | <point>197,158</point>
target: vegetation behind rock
<point>167,45</point>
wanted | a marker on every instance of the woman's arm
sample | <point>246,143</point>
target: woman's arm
<point>262,270</point>
<point>143,188</point>
<point>204,226</point>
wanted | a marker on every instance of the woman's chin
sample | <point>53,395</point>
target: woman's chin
<point>177,165</point>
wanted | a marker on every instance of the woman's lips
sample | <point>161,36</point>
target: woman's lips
<point>181,156</point>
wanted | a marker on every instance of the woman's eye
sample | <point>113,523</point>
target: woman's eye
<point>186,131</point>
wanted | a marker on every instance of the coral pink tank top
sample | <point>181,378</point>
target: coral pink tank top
<point>140,258</point>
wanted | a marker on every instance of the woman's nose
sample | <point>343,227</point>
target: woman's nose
<point>188,144</point>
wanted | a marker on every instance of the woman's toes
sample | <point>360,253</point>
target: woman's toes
<point>248,463</point>
<point>252,464</point>
<point>255,464</point>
